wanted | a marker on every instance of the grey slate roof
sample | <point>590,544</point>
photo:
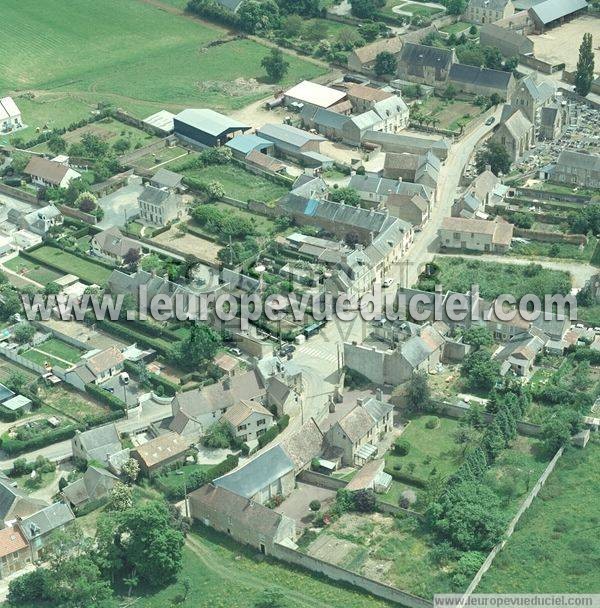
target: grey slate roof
<point>45,521</point>
<point>209,121</point>
<point>548,115</point>
<point>415,350</point>
<point>112,242</point>
<point>324,118</point>
<point>154,196</point>
<point>287,134</point>
<point>540,91</point>
<point>550,10</point>
<point>257,474</point>
<point>393,142</point>
<point>100,441</point>
<point>422,55</point>
<point>579,160</point>
<point>483,77</point>
<point>167,179</point>
<point>13,502</point>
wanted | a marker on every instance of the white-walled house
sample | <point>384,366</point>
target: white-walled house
<point>10,115</point>
<point>44,172</point>
<point>249,419</point>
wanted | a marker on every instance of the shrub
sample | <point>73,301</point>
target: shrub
<point>314,505</point>
<point>432,423</point>
<point>401,446</point>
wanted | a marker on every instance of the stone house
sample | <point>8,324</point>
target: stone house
<point>111,245</point>
<point>530,95</point>
<point>363,58</point>
<point>356,433</point>
<point>406,167</point>
<point>475,235</point>
<point>96,484</point>
<point>249,420</point>
<point>97,444</point>
<point>243,519</point>
<point>37,528</point>
<point>160,452</point>
<point>14,551</point>
<point>518,355</point>
<point>159,206</point>
<point>577,169</point>
<point>423,64</point>
<point>488,11</point>
<point>482,81</point>
<point>15,503</point>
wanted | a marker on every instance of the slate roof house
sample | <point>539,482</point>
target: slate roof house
<point>551,122</point>
<point>268,475</point>
<point>41,220</point>
<point>425,64</point>
<point>170,180</point>
<point>38,527</point>
<point>515,132</point>
<point>206,128</point>
<point>481,81</point>
<point>195,411</point>
<point>243,519</point>
<point>518,355</point>
<point>420,169</point>
<point>159,206</point>
<point>577,169</point>
<point>44,172</point>
<point>15,503</point>
<point>356,432</point>
<point>488,11</point>
<point>97,444</point>
<point>95,484</point>
<point>110,244</point>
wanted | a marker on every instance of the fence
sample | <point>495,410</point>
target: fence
<point>112,183</point>
<point>12,355</point>
<point>337,573</point>
<point>134,155</point>
<point>511,528</point>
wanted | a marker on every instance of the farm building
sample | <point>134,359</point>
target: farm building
<point>160,452</point>
<point>510,43</point>
<point>244,520</point>
<point>161,121</point>
<point>425,64</point>
<point>206,127</point>
<point>481,81</point>
<point>364,58</point>
<point>308,93</point>
<point>10,115</point>
<point>475,235</point>
<point>242,145</point>
<point>44,172</point>
<point>296,143</point>
<point>404,142</point>
<point>554,12</point>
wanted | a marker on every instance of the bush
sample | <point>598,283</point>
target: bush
<point>314,505</point>
<point>401,446</point>
<point>432,423</point>
<point>113,402</point>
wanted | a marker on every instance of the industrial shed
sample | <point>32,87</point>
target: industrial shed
<point>206,127</point>
<point>554,12</point>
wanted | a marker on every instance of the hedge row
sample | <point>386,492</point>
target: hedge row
<point>175,489</point>
<point>76,252</point>
<point>155,380</point>
<point>106,397</point>
<point>17,446</point>
<point>128,333</point>
<point>406,478</point>
<point>273,431</point>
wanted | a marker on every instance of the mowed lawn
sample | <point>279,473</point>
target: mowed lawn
<point>129,53</point>
<point>556,546</point>
<point>32,271</point>
<point>61,350</point>
<point>87,271</point>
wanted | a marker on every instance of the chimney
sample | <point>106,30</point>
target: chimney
<point>379,395</point>
<point>488,167</point>
<point>227,384</point>
<point>359,401</point>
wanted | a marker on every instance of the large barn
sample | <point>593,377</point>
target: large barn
<point>206,127</point>
<point>551,13</point>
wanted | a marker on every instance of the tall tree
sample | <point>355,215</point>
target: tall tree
<point>584,75</point>
<point>275,65</point>
<point>385,63</point>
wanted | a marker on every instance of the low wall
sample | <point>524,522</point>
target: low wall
<point>539,65</point>
<point>20,195</point>
<point>390,509</point>
<point>336,573</point>
<point>575,97</point>
<point>551,196</point>
<point>511,528</point>
<point>551,237</point>
<point>61,336</point>
<point>111,184</point>
<point>77,214</point>
<point>34,367</point>
<point>322,481</point>
<point>457,410</point>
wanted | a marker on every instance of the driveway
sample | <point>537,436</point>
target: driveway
<point>122,204</point>
<point>295,506</point>
<point>128,393</point>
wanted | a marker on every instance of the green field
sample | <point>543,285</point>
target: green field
<point>414,8</point>
<point>556,546</point>
<point>567,251</point>
<point>61,349</point>
<point>460,273</point>
<point>32,271</point>
<point>224,574</point>
<point>240,184</point>
<point>456,28</point>
<point>87,271</point>
<point>111,51</point>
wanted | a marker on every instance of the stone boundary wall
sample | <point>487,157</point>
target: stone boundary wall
<point>336,573</point>
<point>20,195</point>
<point>511,528</point>
<point>34,367</point>
<point>532,193</point>
<point>551,237</point>
<point>322,481</point>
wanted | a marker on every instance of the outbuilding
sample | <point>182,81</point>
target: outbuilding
<point>204,127</point>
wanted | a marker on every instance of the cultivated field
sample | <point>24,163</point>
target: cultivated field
<point>110,51</point>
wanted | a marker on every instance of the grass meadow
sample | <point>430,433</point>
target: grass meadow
<point>556,546</point>
<point>59,59</point>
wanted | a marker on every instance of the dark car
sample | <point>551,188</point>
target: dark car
<point>490,121</point>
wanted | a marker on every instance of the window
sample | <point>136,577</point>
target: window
<point>260,422</point>
<point>242,427</point>
<point>260,432</point>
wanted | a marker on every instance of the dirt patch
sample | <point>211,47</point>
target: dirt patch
<point>331,549</point>
<point>188,244</point>
<point>376,569</point>
<point>235,88</point>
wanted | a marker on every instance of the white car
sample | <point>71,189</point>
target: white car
<point>388,282</point>
<point>124,376</point>
<point>235,351</point>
